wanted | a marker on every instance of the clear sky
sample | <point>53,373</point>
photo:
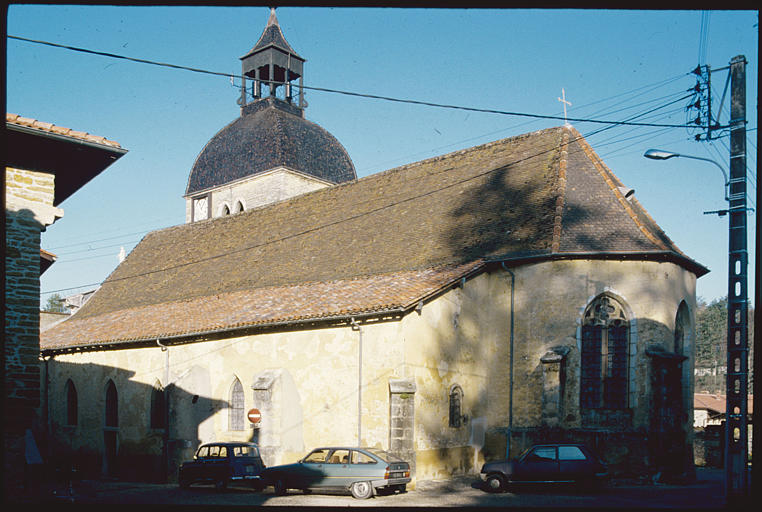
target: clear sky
<point>611,64</point>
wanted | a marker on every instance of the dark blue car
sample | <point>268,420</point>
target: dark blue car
<point>223,463</point>
<point>546,463</point>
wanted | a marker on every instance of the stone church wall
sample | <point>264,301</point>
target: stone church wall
<point>305,383</point>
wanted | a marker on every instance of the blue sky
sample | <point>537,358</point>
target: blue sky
<point>612,65</point>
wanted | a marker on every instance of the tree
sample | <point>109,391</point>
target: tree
<point>55,304</point>
<point>711,345</point>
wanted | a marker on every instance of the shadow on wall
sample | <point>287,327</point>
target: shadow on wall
<point>103,423</point>
<point>501,216</point>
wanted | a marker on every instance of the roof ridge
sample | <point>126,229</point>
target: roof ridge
<point>561,194</point>
<point>459,152</point>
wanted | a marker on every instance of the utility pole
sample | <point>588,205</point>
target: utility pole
<point>736,413</point>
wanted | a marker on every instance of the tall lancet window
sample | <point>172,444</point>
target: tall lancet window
<point>605,338</point>
<point>236,410</point>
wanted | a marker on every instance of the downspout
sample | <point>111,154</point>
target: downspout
<point>510,371</point>
<point>48,428</point>
<point>165,436</point>
<point>356,327</point>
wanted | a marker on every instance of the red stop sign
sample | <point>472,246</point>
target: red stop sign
<point>254,416</point>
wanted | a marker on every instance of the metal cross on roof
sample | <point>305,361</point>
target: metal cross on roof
<point>562,99</point>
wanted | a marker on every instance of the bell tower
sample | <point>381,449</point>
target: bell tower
<point>272,65</point>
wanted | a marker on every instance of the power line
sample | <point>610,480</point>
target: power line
<point>350,93</point>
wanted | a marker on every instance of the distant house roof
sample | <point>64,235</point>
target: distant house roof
<point>74,157</point>
<point>380,243</point>
<point>716,403</point>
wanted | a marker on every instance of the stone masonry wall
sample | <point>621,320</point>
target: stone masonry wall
<point>29,208</point>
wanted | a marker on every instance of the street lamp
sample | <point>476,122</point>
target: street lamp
<point>736,402</point>
<point>660,154</point>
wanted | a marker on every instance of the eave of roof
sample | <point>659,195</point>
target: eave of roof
<point>264,308</point>
<point>74,157</point>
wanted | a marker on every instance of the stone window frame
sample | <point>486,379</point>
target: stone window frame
<point>194,200</point>
<point>625,399</point>
<point>72,403</point>
<point>238,203</point>
<point>455,402</point>
<point>236,406</point>
<point>224,210</point>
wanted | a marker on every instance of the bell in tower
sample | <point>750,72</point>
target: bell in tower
<point>272,65</point>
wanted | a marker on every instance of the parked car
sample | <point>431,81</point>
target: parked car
<point>546,463</point>
<point>361,471</point>
<point>223,463</point>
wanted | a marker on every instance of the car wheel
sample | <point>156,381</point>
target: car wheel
<point>495,483</point>
<point>361,490</point>
<point>280,487</point>
<point>401,488</point>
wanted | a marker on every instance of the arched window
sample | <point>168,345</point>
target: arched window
<point>235,411</point>
<point>605,340</point>
<point>238,207</point>
<point>456,406</point>
<point>682,324</point>
<point>224,210</point>
<point>157,406</point>
<point>71,403</point>
<point>112,405</point>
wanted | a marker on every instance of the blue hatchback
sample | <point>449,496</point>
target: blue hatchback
<point>360,471</point>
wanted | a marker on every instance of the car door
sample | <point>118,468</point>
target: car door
<point>216,464</point>
<point>311,472</point>
<point>539,465</point>
<point>337,469</point>
<point>573,463</point>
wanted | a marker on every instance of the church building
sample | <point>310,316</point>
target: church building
<point>451,311</point>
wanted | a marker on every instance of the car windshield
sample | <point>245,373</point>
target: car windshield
<point>385,455</point>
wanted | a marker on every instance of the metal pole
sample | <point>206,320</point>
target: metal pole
<point>736,418</point>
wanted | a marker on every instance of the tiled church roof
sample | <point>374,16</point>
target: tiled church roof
<point>353,247</point>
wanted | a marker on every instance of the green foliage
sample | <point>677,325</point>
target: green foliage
<point>55,304</point>
<point>711,346</point>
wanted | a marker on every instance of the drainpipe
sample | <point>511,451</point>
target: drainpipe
<point>356,327</point>
<point>165,392</point>
<point>510,371</point>
<point>48,428</point>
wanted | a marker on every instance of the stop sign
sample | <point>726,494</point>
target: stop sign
<point>254,416</point>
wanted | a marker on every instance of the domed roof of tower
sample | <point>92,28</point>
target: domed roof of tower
<point>271,132</point>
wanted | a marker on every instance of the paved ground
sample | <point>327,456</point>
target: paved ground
<point>706,493</point>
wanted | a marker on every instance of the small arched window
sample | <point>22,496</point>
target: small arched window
<point>605,341</point>
<point>71,403</point>
<point>682,327</point>
<point>225,210</point>
<point>158,412</point>
<point>236,409</point>
<point>238,207</point>
<point>456,406</point>
<point>112,405</point>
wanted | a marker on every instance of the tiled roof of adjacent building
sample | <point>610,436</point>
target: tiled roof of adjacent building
<point>51,128</point>
<point>382,242</point>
